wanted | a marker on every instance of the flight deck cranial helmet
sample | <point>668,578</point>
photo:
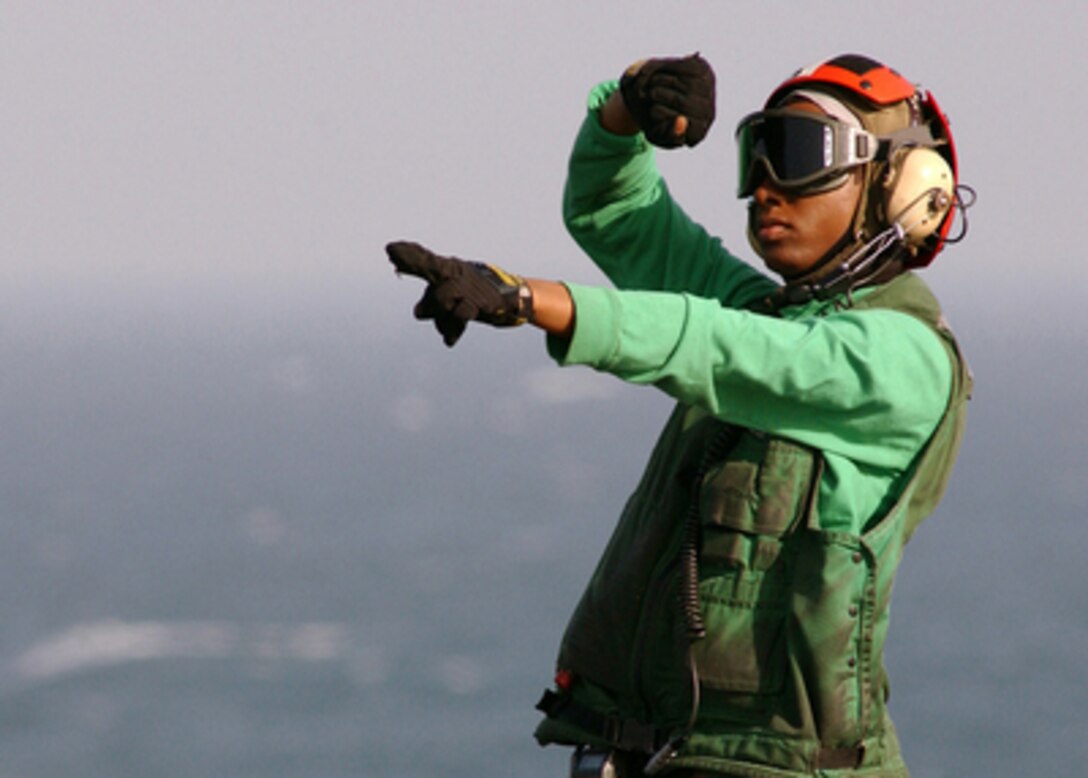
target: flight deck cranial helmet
<point>874,117</point>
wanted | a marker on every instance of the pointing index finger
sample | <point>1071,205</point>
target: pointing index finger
<point>413,259</point>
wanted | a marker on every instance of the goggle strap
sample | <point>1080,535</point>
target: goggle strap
<point>858,146</point>
<point>917,135</point>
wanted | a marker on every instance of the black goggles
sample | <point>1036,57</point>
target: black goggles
<point>798,151</point>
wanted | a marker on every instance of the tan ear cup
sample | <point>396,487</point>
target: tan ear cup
<point>919,193</point>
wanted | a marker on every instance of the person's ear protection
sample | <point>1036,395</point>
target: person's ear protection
<point>918,192</point>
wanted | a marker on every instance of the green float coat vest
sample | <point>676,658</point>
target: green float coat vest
<point>790,670</point>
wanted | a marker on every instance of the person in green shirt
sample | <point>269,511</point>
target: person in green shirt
<point>736,621</point>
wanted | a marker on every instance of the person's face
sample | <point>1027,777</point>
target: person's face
<point>791,231</point>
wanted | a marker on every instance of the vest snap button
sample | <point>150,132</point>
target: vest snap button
<point>853,610</point>
<point>856,557</point>
<point>852,662</point>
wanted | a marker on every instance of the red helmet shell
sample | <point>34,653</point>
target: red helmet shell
<point>865,77</point>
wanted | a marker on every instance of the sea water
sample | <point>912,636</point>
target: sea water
<point>278,553</point>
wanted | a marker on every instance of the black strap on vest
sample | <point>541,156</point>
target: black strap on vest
<point>624,734</point>
<point>633,735</point>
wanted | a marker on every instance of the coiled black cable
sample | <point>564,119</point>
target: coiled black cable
<point>722,439</point>
<point>689,573</point>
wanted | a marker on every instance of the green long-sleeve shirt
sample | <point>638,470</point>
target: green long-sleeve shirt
<point>865,387</point>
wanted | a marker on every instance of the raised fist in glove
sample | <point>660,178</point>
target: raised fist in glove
<point>459,292</point>
<point>671,99</point>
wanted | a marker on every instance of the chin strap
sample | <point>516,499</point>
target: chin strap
<point>874,261</point>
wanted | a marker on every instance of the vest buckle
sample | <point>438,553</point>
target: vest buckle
<point>844,758</point>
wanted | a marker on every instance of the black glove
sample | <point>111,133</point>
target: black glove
<point>659,91</point>
<point>459,292</point>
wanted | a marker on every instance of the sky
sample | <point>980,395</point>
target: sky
<point>182,146</point>
<point>200,159</point>
<point>207,173</point>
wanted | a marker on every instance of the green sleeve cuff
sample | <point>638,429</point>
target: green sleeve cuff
<point>598,96</point>
<point>596,328</point>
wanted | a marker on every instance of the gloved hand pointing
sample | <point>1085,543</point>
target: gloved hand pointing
<point>671,99</point>
<point>459,292</point>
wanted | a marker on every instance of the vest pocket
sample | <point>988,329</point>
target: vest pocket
<point>749,504</point>
<point>745,612</point>
<point>760,489</point>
